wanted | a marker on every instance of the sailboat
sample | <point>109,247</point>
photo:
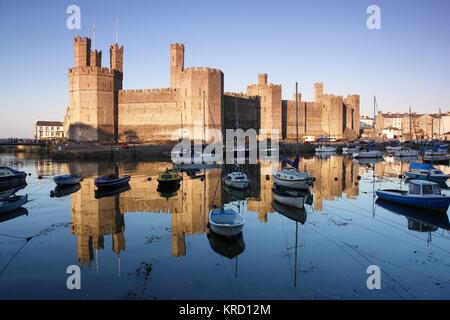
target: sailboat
<point>291,177</point>
<point>370,151</point>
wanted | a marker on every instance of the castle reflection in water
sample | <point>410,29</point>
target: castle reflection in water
<point>95,218</point>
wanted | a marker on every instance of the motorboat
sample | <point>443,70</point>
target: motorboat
<point>421,194</point>
<point>226,222</point>
<point>391,150</point>
<point>289,197</point>
<point>325,149</point>
<point>368,154</point>
<point>425,171</point>
<point>168,178</point>
<point>237,180</point>
<point>12,203</point>
<point>111,181</point>
<point>406,153</point>
<point>436,156</point>
<point>9,176</point>
<point>350,149</point>
<point>67,179</point>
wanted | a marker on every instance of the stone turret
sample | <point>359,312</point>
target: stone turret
<point>82,50</point>
<point>116,57</point>
<point>176,63</point>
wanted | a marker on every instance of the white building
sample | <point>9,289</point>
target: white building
<point>365,122</point>
<point>49,130</point>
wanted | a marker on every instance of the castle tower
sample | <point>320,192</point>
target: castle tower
<point>176,63</point>
<point>92,113</point>
<point>318,91</point>
<point>271,109</point>
<point>82,50</point>
<point>96,58</point>
<point>116,57</point>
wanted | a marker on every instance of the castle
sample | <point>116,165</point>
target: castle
<point>101,111</point>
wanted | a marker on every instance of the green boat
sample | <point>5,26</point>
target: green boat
<point>168,178</point>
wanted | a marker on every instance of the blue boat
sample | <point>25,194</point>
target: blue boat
<point>9,176</point>
<point>421,194</point>
<point>67,179</point>
<point>111,181</point>
<point>425,171</point>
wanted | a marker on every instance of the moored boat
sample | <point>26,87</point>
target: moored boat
<point>422,194</point>
<point>292,178</point>
<point>67,179</point>
<point>111,181</point>
<point>237,180</point>
<point>12,203</point>
<point>325,149</point>
<point>168,178</point>
<point>425,171</point>
<point>406,152</point>
<point>393,149</point>
<point>350,149</point>
<point>368,154</point>
<point>226,222</point>
<point>9,176</point>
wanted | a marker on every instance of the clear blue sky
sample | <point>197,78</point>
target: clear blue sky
<point>406,63</point>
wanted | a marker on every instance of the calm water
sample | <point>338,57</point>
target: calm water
<point>144,244</point>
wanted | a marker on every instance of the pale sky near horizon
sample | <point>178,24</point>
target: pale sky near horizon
<point>406,63</point>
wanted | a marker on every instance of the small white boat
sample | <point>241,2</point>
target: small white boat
<point>12,203</point>
<point>237,180</point>
<point>391,150</point>
<point>350,149</point>
<point>364,154</point>
<point>436,156</point>
<point>292,178</point>
<point>325,149</point>
<point>289,197</point>
<point>67,179</point>
<point>226,222</point>
<point>406,152</point>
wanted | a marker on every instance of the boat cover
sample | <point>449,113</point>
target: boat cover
<point>420,166</point>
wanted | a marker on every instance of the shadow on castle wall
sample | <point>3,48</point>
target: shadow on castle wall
<point>87,133</point>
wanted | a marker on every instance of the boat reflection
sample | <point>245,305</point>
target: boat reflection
<point>11,189</point>
<point>111,192</point>
<point>229,247</point>
<point>168,191</point>
<point>60,192</point>
<point>13,214</point>
<point>294,214</point>
<point>418,219</point>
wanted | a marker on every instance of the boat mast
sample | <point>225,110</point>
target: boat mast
<point>296,113</point>
<point>410,123</point>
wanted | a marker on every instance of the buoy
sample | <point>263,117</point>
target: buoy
<point>314,178</point>
<point>29,174</point>
<point>358,177</point>
<point>336,179</point>
<point>149,179</point>
<point>40,177</point>
<point>201,179</point>
<point>267,177</point>
<point>400,176</point>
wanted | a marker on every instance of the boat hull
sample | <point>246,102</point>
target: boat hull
<point>64,181</point>
<point>368,155</point>
<point>226,231</point>
<point>300,184</point>
<point>296,202</point>
<point>437,202</point>
<point>418,176</point>
<point>113,183</point>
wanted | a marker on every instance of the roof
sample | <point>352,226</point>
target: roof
<point>50,123</point>
<point>423,182</point>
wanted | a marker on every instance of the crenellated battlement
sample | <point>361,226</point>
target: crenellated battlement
<point>116,46</point>
<point>148,91</point>
<point>240,95</point>
<point>201,69</point>
<point>177,45</point>
<point>270,85</point>
<point>90,70</point>
<point>83,40</point>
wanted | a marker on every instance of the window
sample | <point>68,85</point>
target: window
<point>436,190</point>
<point>427,189</point>
<point>414,189</point>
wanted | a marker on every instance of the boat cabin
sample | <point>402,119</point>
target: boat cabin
<point>424,188</point>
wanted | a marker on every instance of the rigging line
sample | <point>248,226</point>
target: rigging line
<point>348,253</point>
<point>384,271</point>
<point>13,257</point>
<point>393,238</point>
<point>400,267</point>
<point>384,222</point>
<point>15,237</point>
<point>226,276</point>
<point>287,245</point>
<point>39,189</point>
